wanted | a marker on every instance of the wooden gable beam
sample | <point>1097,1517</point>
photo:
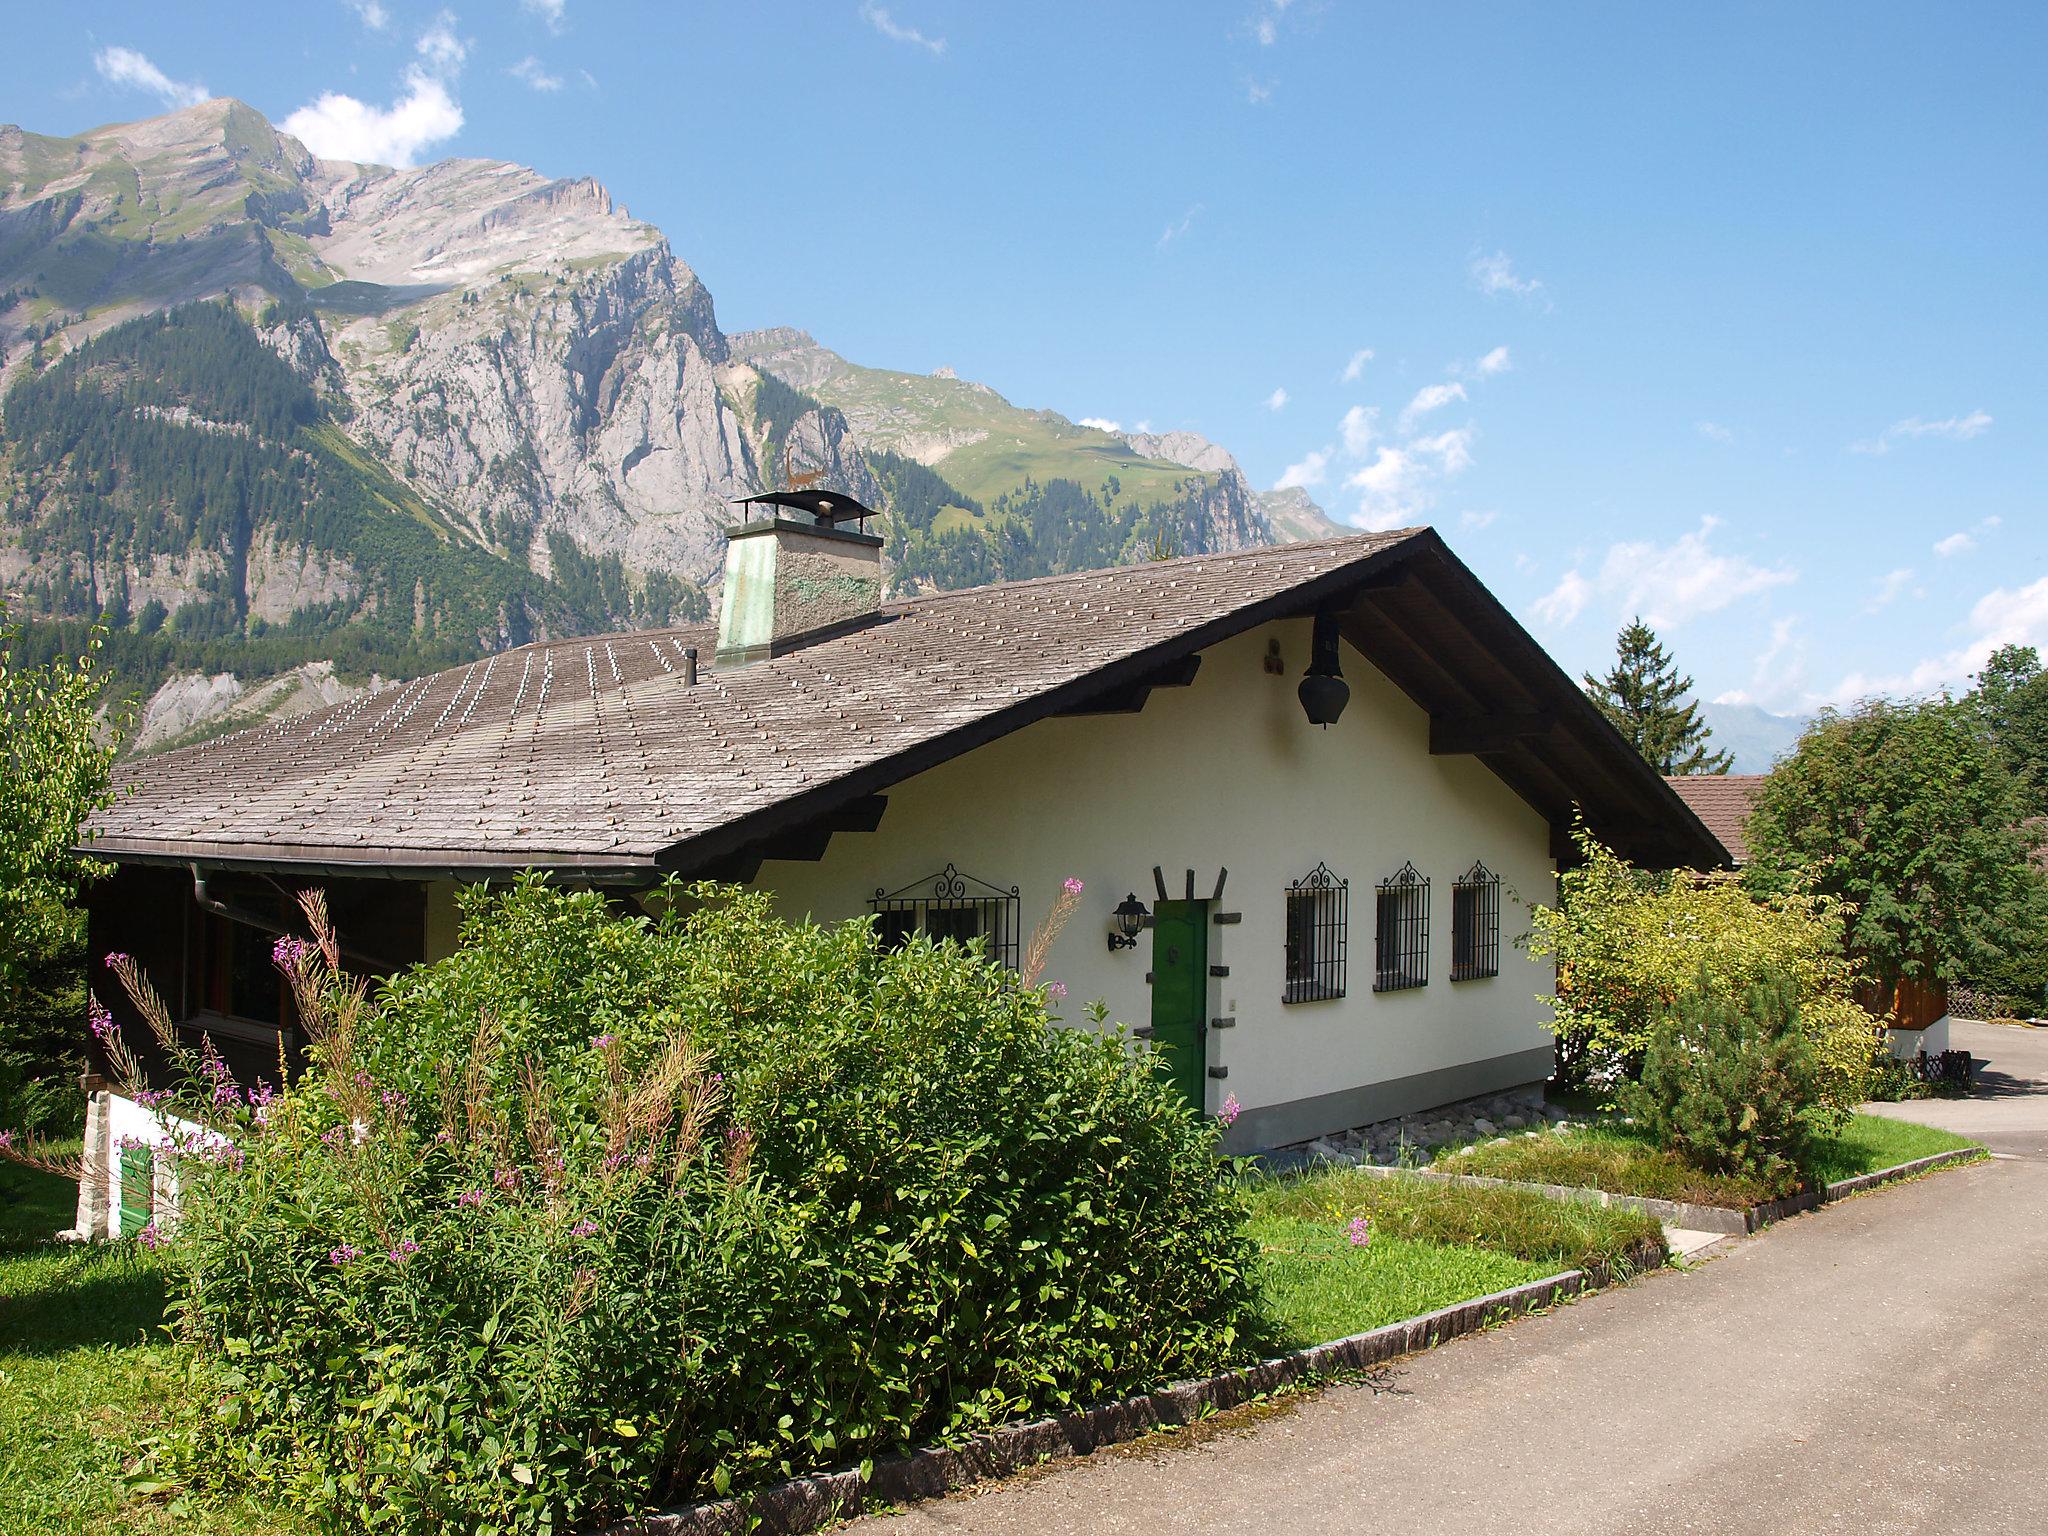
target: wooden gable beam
<point>1129,698</point>
<point>1452,735</point>
<point>804,844</point>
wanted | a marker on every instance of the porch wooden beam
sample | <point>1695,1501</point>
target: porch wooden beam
<point>1129,698</point>
<point>1452,735</point>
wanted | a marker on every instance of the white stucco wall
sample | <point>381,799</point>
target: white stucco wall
<point>1228,772</point>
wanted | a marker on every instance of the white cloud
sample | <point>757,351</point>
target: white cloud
<point>1957,429</point>
<point>1668,584</point>
<point>1714,432</point>
<point>879,18</point>
<point>1495,275</point>
<point>1276,400</point>
<point>125,66</point>
<point>1451,451</point>
<point>1258,92</point>
<point>1565,601</point>
<point>1399,485</point>
<point>1100,424</point>
<point>441,52</point>
<point>372,15</point>
<point>1356,367</point>
<point>1358,428</point>
<point>2000,617</point>
<point>1890,587</point>
<point>340,127</point>
<point>549,11</point>
<point>1954,544</point>
<point>1496,361</point>
<point>1312,470</point>
<point>530,70</point>
<point>1431,397</point>
<point>1174,231</point>
<point>1476,520</point>
<point>1265,21</point>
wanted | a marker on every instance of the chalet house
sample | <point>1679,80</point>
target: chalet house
<point>1310,791</point>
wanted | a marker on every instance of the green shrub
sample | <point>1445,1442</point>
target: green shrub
<point>1730,1085</point>
<point>603,1212</point>
<point>1629,942</point>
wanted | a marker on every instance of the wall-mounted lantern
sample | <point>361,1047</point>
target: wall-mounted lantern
<point>1130,915</point>
<point>1323,691</point>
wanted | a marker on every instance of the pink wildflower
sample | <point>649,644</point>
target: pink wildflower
<point>101,1021</point>
<point>506,1179</point>
<point>331,1136</point>
<point>1073,886</point>
<point>115,958</point>
<point>150,1098</point>
<point>1056,991</point>
<point>6,1141</point>
<point>394,1101</point>
<point>602,1042</point>
<point>150,1238</point>
<point>404,1251</point>
<point>471,1197</point>
<point>584,1228</point>
<point>344,1255</point>
<point>1230,1111</point>
<point>288,953</point>
<point>1360,1232</point>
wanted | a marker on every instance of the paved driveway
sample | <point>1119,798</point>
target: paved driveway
<point>1875,1367</point>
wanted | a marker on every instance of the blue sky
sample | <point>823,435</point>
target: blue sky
<point>1730,314</point>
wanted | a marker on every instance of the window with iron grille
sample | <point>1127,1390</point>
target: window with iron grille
<point>1401,939</point>
<point>1475,924</point>
<point>1317,912</point>
<point>951,905</point>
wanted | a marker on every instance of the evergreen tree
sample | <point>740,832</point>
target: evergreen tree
<point>1652,706</point>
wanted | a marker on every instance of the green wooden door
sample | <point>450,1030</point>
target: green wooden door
<point>138,1189</point>
<point>1180,995</point>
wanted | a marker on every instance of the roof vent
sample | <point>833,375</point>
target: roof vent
<point>792,580</point>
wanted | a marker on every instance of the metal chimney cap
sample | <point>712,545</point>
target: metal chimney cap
<point>828,507</point>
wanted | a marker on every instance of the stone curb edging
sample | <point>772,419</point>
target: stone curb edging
<point>1842,1188</point>
<point>806,1503</point>
<point>1681,1213</point>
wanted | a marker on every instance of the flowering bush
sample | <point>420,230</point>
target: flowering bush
<point>602,1212</point>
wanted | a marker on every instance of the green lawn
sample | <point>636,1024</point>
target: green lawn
<point>1622,1161</point>
<point>1872,1142</point>
<point>84,1375</point>
<point>1430,1246</point>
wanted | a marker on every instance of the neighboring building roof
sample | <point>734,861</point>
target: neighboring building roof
<point>594,756</point>
<point>1723,802</point>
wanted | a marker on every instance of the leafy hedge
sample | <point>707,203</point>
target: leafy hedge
<point>602,1212</point>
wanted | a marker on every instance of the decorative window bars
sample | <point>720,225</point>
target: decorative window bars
<point>1401,942</point>
<point>1317,917</point>
<point>951,905</point>
<point>1475,924</point>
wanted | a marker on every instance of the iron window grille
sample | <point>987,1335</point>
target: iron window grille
<point>1317,917</point>
<point>1401,941</point>
<point>951,905</point>
<point>1475,924</point>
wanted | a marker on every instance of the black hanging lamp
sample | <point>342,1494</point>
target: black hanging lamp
<point>1323,691</point>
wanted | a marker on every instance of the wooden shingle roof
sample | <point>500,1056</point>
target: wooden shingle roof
<point>594,756</point>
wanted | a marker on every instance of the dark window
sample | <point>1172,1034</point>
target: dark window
<point>1475,924</point>
<point>950,905</point>
<point>1316,916</point>
<point>1401,934</point>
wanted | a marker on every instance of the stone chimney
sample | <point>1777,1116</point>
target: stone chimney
<point>792,581</point>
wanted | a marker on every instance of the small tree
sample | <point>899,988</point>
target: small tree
<point>54,768</point>
<point>1652,705</point>
<point>1728,1083</point>
<point>1905,814</point>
